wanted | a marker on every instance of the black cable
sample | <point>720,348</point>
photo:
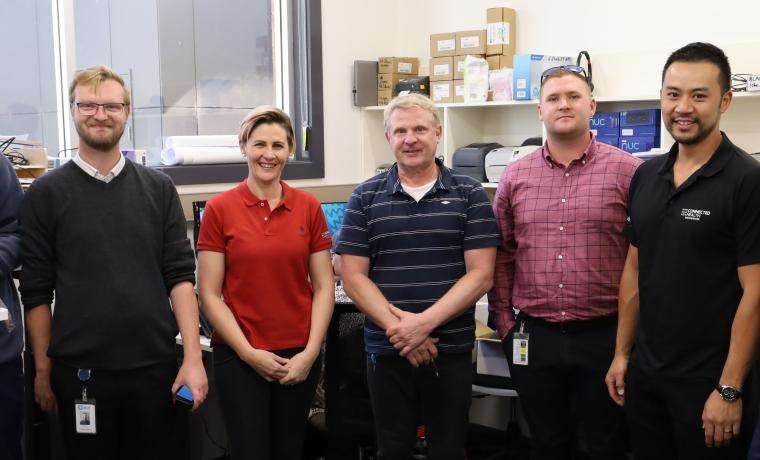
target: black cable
<point>588,67</point>
<point>210,438</point>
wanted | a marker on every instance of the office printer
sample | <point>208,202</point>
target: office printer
<point>498,159</point>
<point>470,160</point>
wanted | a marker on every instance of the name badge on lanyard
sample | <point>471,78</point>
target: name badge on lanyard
<point>520,346</point>
<point>84,409</point>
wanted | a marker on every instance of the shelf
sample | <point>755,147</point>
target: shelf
<point>468,104</point>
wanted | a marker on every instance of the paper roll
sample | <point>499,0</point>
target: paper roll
<point>202,141</point>
<point>201,155</point>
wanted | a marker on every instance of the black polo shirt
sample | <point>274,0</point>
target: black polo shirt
<point>416,249</point>
<point>691,240</point>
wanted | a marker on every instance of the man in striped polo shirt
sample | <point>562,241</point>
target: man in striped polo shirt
<point>418,248</point>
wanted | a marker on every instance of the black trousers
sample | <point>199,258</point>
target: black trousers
<point>264,420</point>
<point>437,395</point>
<point>11,409</point>
<point>563,385</point>
<point>665,418</point>
<point>134,411</point>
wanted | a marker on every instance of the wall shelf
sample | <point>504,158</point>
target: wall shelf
<point>511,122</point>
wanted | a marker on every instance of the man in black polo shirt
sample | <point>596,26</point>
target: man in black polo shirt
<point>418,245</point>
<point>690,289</point>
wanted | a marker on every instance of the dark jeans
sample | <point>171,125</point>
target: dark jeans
<point>563,384</point>
<point>665,418</point>
<point>264,420</point>
<point>134,411</point>
<point>11,409</point>
<point>403,396</point>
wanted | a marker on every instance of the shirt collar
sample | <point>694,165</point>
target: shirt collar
<point>714,165</point>
<point>252,200</point>
<point>444,181</point>
<point>93,171</point>
<point>586,156</point>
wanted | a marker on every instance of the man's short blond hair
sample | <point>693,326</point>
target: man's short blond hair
<point>408,101</point>
<point>94,76</point>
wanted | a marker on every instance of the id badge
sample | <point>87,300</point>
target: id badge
<point>84,416</point>
<point>520,348</point>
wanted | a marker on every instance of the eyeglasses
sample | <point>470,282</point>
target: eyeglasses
<point>91,108</point>
<point>568,68</point>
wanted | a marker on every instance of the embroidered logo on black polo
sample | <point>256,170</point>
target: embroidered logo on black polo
<point>694,214</point>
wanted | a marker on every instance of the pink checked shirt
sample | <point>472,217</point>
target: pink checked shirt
<point>562,249</point>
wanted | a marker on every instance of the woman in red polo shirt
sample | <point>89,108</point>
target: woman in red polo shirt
<point>266,286</point>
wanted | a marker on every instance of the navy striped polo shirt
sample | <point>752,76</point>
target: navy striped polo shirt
<point>416,249</point>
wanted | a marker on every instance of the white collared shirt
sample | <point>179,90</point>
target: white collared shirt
<point>93,171</point>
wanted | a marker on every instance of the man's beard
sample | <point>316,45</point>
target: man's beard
<point>102,144</point>
<point>690,139</point>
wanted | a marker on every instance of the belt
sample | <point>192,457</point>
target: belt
<point>575,325</point>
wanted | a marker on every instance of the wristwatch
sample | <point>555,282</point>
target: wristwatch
<point>728,393</point>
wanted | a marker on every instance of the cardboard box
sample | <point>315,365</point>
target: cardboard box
<point>459,65</point>
<point>643,130</point>
<point>501,31</point>
<point>443,44</point>
<point>528,70</point>
<point>388,80</point>
<point>402,65</point>
<point>643,117</point>
<point>384,96</point>
<point>499,62</point>
<point>609,140</point>
<point>637,144</point>
<point>471,42</point>
<point>441,68</point>
<point>441,91</point>
<point>458,91</point>
<point>605,124</point>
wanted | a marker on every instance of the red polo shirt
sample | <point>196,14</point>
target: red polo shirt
<point>266,257</point>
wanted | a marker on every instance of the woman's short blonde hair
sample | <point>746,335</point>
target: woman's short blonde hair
<point>94,76</point>
<point>408,101</point>
<point>265,115</point>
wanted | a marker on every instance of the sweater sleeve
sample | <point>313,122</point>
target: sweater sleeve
<point>37,247</point>
<point>10,200</point>
<point>178,258</point>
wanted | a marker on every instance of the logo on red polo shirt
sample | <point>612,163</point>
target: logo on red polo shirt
<point>301,230</point>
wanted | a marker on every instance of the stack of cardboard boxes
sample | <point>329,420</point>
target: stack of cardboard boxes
<point>389,71</point>
<point>449,50</point>
<point>447,54</point>
<point>500,46</point>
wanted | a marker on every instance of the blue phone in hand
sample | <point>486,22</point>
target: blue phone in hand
<point>184,395</point>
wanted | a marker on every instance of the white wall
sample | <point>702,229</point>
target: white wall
<point>628,42</point>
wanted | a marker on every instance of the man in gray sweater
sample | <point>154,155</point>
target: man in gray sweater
<point>108,238</point>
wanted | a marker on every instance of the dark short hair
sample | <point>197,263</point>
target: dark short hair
<point>703,52</point>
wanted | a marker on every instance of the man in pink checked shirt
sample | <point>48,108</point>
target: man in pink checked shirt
<point>561,212</point>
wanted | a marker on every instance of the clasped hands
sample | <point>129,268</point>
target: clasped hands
<point>411,336</point>
<point>286,371</point>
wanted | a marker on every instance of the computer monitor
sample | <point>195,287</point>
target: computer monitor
<point>334,212</point>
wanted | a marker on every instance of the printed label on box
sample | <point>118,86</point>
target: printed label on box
<point>459,90</point>
<point>470,42</point>
<point>441,69</point>
<point>460,66</point>
<point>626,132</point>
<point>522,83</point>
<point>496,33</point>
<point>441,91</point>
<point>521,94</point>
<point>404,67</point>
<point>447,45</point>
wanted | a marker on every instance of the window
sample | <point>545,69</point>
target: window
<point>28,108</point>
<point>194,67</point>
